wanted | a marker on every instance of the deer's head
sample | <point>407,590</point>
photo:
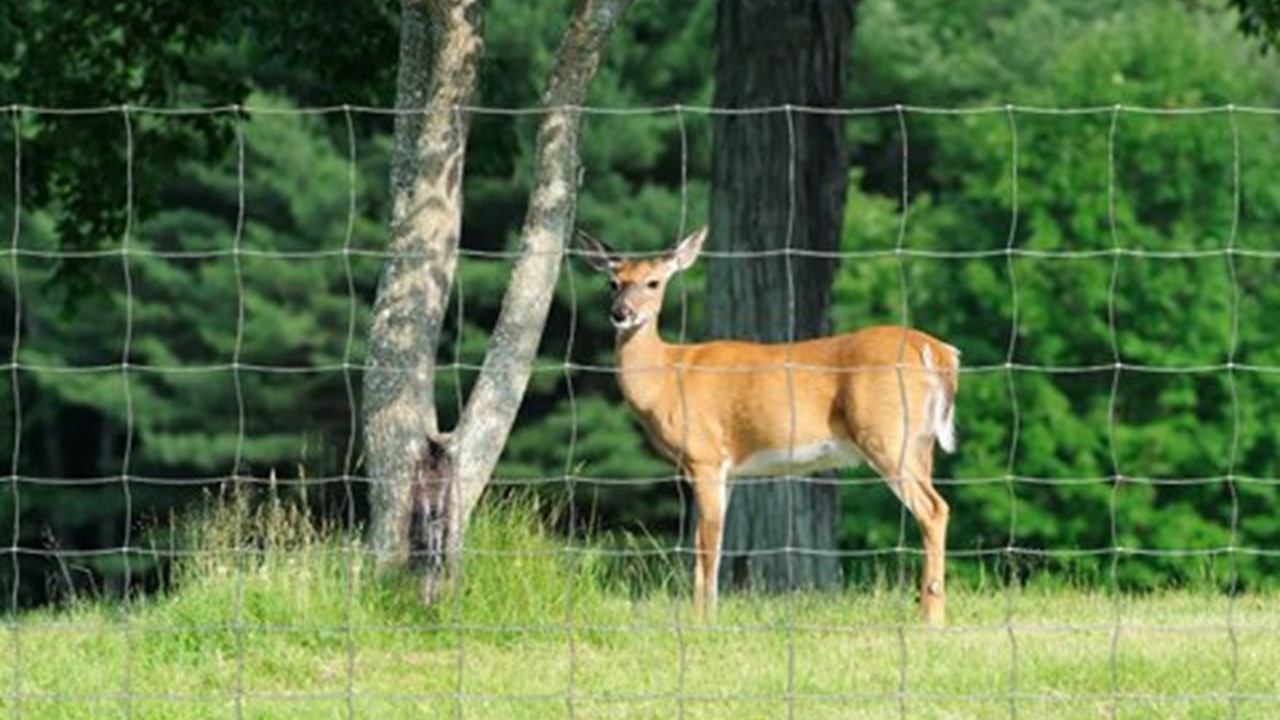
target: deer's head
<point>638,285</point>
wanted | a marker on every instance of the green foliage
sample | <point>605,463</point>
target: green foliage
<point>71,55</point>
<point>1260,19</point>
<point>238,323</point>
<point>245,347</point>
<point>143,54</point>
<point>1116,216</point>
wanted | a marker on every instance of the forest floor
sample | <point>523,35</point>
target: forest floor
<point>300,626</point>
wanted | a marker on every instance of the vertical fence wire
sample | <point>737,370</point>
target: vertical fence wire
<point>458,611</point>
<point>789,480</point>
<point>1113,662</point>
<point>351,550</point>
<point>896,475</point>
<point>1233,457</point>
<point>241,554</point>
<point>126,379</point>
<point>15,460</point>
<point>571,555</point>
<point>685,522</point>
<point>1011,354</point>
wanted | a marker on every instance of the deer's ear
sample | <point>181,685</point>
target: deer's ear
<point>599,256</point>
<point>683,255</point>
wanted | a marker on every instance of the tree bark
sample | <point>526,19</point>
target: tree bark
<point>778,184</point>
<point>491,409</point>
<point>440,48</point>
<point>426,482</point>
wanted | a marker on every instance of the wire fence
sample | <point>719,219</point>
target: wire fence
<point>1095,650</point>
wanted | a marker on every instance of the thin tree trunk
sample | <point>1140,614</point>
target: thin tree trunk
<point>778,183</point>
<point>491,408</point>
<point>426,483</point>
<point>440,47</point>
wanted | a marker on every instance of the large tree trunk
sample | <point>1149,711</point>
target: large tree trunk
<point>426,482</point>
<point>778,183</point>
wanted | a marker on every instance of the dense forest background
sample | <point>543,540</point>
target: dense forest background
<point>1121,361</point>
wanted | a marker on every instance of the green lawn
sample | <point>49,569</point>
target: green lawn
<point>301,627</point>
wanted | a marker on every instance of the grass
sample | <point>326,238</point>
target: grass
<point>302,626</point>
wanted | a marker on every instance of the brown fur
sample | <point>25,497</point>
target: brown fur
<point>708,407</point>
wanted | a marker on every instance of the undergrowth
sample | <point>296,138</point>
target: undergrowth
<point>271,613</point>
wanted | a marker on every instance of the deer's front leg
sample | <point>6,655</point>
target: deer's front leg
<point>711,496</point>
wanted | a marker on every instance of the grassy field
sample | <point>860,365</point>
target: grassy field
<point>302,627</point>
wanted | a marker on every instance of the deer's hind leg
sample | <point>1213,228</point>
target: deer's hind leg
<point>906,464</point>
<point>932,515</point>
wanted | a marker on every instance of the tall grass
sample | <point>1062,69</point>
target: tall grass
<point>269,563</point>
<point>272,614</point>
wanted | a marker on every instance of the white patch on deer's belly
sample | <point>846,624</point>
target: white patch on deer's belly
<point>799,460</point>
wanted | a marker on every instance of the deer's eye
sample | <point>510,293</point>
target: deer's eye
<point>652,284</point>
<point>614,285</point>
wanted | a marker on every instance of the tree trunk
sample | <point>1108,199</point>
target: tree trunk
<point>491,409</point>
<point>778,184</point>
<point>439,50</point>
<point>425,482</point>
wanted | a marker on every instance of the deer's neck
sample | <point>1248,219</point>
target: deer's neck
<point>644,366</point>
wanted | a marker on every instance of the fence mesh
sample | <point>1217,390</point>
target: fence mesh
<point>217,363</point>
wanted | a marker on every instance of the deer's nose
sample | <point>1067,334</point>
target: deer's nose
<point>618,314</point>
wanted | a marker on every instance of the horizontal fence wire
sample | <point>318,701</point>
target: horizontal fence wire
<point>321,480</point>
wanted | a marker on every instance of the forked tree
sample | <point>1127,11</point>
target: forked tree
<point>425,480</point>
<point>884,395</point>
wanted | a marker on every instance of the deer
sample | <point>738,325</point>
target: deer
<point>718,410</point>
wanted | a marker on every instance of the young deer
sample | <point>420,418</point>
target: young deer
<point>723,409</point>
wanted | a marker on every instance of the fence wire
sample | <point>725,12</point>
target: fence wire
<point>1013,689</point>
